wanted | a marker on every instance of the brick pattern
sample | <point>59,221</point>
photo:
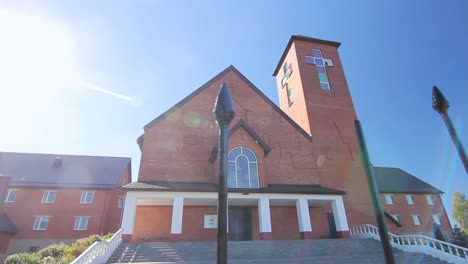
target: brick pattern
<point>153,223</point>
<point>420,207</point>
<point>105,216</point>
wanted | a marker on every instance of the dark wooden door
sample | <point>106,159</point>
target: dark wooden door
<point>240,223</point>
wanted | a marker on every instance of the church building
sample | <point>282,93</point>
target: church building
<point>294,170</point>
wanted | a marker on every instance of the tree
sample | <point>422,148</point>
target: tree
<point>458,237</point>
<point>460,210</point>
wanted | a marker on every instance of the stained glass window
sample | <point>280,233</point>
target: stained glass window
<point>287,70</point>
<point>242,168</point>
<point>320,62</point>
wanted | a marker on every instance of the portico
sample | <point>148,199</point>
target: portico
<point>261,203</point>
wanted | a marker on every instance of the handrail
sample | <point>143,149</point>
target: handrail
<point>100,251</point>
<point>416,243</point>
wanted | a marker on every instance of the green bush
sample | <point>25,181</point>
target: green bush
<point>23,258</point>
<point>54,251</point>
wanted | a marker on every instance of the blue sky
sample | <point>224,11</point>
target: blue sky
<point>84,77</point>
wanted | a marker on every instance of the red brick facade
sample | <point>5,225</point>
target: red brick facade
<point>421,208</point>
<point>312,142</point>
<point>104,212</point>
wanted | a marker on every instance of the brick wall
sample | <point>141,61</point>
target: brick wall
<point>420,207</point>
<point>62,212</point>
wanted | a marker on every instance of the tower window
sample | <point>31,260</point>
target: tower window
<point>242,168</point>
<point>321,63</point>
<point>287,70</point>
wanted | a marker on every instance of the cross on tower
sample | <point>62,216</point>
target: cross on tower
<point>287,70</point>
<point>320,62</point>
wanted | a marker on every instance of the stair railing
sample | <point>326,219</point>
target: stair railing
<point>100,251</point>
<point>416,243</point>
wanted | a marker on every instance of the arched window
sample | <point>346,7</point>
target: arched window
<point>242,168</point>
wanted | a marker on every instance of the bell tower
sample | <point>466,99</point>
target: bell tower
<point>313,91</point>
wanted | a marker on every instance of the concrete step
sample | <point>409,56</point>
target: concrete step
<point>290,251</point>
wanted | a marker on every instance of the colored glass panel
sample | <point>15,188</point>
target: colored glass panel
<point>317,53</point>
<point>318,61</point>
<point>323,78</point>
<point>325,86</point>
<point>321,69</point>
<point>310,60</point>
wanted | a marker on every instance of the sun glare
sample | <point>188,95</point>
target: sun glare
<point>37,59</point>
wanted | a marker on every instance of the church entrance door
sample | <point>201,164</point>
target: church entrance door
<point>239,223</point>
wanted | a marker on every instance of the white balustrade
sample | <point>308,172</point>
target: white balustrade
<point>100,251</point>
<point>416,243</point>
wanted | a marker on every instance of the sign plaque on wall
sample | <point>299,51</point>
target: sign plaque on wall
<point>211,221</point>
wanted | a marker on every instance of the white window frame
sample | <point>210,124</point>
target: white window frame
<point>38,221</point>
<point>436,218</point>
<point>416,219</point>
<point>84,197</point>
<point>409,199</point>
<point>8,196</point>
<point>121,202</point>
<point>79,220</point>
<point>255,161</point>
<point>388,198</point>
<point>397,217</point>
<point>47,194</point>
<point>429,199</point>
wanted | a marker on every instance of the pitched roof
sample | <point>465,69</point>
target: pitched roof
<point>213,187</point>
<point>396,180</point>
<point>6,226</point>
<point>302,38</point>
<point>57,170</point>
<point>250,130</point>
<point>210,82</point>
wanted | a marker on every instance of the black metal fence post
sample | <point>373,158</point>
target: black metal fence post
<point>224,113</point>
<point>441,105</point>
<point>379,214</point>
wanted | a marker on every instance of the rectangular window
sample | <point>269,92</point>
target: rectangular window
<point>41,223</point>
<point>429,199</point>
<point>389,198</point>
<point>397,217</point>
<point>121,203</point>
<point>416,219</point>
<point>87,197</point>
<point>11,196</point>
<point>49,197</point>
<point>81,222</point>
<point>436,218</point>
<point>409,199</point>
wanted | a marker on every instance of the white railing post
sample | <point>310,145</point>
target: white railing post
<point>100,251</point>
<point>417,243</point>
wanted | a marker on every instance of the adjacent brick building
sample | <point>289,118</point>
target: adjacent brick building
<point>294,171</point>
<point>49,198</point>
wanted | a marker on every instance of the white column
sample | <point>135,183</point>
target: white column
<point>177,215</point>
<point>303,216</point>
<point>128,219</point>
<point>264,217</point>
<point>339,214</point>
